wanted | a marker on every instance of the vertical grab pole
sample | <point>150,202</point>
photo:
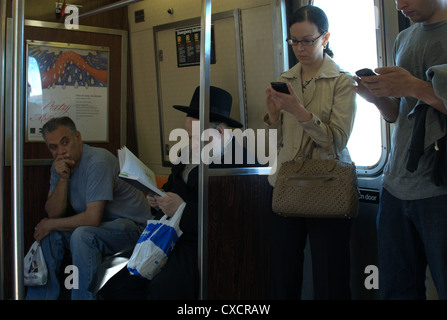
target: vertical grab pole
<point>17,152</point>
<point>2,143</point>
<point>205,57</point>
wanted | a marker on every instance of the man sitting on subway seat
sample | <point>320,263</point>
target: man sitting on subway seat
<point>109,216</point>
<point>179,278</point>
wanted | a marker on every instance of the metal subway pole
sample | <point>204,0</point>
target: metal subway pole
<point>204,103</point>
<point>2,143</point>
<point>17,144</point>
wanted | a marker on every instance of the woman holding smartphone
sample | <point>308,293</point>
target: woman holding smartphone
<point>321,99</point>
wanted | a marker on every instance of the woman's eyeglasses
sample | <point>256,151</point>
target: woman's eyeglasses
<point>306,43</point>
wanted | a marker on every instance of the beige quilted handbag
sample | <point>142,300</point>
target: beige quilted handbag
<point>316,188</point>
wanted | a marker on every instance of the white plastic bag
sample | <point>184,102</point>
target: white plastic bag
<point>155,245</point>
<point>35,268</point>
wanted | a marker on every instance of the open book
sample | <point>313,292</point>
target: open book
<point>135,172</point>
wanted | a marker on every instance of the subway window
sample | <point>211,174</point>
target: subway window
<point>355,43</point>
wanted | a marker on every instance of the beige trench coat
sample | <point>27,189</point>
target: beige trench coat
<point>331,101</point>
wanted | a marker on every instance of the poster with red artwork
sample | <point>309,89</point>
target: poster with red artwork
<point>67,80</point>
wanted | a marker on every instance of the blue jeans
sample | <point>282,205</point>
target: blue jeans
<point>88,245</point>
<point>410,235</point>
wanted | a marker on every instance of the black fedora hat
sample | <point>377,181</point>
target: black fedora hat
<point>220,107</point>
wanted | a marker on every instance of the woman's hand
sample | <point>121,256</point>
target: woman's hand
<point>272,108</point>
<point>291,103</point>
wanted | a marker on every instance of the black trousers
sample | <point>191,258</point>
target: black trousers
<point>330,251</point>
<point>178,280</point>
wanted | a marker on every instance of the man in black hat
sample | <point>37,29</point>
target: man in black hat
<point>220,107</point>
<point>179,278</point>
<point>222,141</point>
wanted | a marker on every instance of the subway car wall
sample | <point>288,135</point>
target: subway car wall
<point>149,73</point>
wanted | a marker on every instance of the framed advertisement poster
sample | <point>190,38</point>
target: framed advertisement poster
<point>71,80</point>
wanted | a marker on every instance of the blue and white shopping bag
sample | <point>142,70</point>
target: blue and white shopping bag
<point>155,245</point>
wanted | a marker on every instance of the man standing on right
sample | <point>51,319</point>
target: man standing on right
<point>412,219</point>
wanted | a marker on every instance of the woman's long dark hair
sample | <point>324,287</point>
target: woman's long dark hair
<point>316,16</point>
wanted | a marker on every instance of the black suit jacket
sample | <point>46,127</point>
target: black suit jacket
<point>179,278</point>
<point>189,192</point>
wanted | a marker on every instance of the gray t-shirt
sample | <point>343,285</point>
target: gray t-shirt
<point>96,178</point>
<point>416,49</point>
